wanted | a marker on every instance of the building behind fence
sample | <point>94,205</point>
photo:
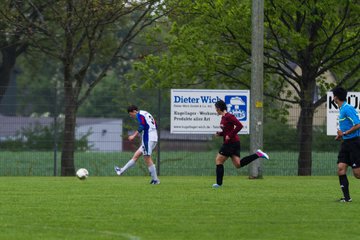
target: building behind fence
<point>30,144</point>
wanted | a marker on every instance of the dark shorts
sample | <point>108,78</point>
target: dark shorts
<point>350,152</point>
<point>230,149</point>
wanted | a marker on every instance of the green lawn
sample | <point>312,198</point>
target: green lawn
<point>179,208</point>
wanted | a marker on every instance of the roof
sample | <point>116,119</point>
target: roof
<point>10,125</point>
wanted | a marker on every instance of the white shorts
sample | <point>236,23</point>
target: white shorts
<point>148,148</point>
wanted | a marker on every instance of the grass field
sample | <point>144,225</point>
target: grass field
<point>179,208</point>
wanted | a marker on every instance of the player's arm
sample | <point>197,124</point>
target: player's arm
<point>352,129</point>
<point>141,127</point>
<point>220,133</point>
<point>134,135</point>
<point>142,123</point>
<point>237,124</point>
<point>356,121</point>
<point>352,115</point>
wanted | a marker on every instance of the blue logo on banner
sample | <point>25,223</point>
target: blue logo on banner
<point>236,105</point>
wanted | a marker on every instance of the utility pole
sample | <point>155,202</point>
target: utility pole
<point>257,79</point>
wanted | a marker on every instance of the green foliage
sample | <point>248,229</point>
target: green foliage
<point>279,136</point>
<point>39,76</point>
<point>39,137</point>
<point>208,45</point>
<point>322,142</point>
<point>201,45</point>
<point>103,100</point>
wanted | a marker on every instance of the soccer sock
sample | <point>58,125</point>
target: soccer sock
<point>219,174</point>
<point>128,165</point>
<point>344,184</point>
<point>248,159</point>
<point>152,171</point>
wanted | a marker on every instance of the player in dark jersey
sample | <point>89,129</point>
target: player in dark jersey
<point>230,126</point>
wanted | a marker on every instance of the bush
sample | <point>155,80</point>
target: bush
<point>279,136</point>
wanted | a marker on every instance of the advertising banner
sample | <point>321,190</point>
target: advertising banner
<point>193,110</point>
<point>332,113</point>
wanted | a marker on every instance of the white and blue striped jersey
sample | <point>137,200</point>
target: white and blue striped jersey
<point>147,126</point>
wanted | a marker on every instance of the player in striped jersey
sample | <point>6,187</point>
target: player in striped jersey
<point>148,130</point>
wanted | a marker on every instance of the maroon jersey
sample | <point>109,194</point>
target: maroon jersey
<point>230,126</point>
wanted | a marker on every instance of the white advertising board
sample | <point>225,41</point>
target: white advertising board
<point>193,110</point>
<point>332,115</point>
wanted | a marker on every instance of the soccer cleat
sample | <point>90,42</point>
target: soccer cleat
<point>261,154</point>
<point>345,200</point>
<point>118,170</point>
<point>155,182</point>
<point>215,185</point>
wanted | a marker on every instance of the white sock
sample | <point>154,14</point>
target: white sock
<point>152,171</point>
<point>128,165</point>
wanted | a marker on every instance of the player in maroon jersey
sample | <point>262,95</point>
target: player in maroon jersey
<point>230,126</point>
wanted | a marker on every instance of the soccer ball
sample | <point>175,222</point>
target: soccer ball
<point>82,173</point>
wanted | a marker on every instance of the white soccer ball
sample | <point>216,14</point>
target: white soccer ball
<point>82,173</point>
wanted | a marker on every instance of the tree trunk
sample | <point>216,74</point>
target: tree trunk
<point>67,157</point>
<point>305,128</point>
<point>6,68</point>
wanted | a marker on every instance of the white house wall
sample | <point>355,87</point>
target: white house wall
<point>105,136</point>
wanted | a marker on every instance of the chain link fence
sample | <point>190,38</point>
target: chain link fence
<point>32,127</point>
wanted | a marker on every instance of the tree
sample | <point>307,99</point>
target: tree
<point>85,37</point>
<point>318,37</point>
<point>12,43</point>
<point>209,43</point>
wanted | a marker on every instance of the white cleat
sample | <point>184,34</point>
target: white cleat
<point>215,185</point>
<point>118,170</point>
<point>345,200</point>
<point>261,154</point>
<point>155,182</point>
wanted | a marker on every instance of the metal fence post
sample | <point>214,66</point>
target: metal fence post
<point>158,120</point>
<point>55,131</point>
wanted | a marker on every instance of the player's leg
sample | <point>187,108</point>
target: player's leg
<point>235,154</point>
<point>356,172</point>
<point>236,161</point>
<point>147,151</point>
<point>220,159</point>
<point>342,163</point>
<point>344,182</point>
<point>130,163</point>
<point>152,169</point>
<point>248,159</point>
<point>355,157</point>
